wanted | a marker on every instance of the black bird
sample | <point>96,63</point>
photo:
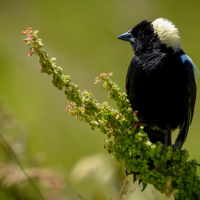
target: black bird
<point>160,82</point>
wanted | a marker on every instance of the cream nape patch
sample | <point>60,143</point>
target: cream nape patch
<point>167,33</point>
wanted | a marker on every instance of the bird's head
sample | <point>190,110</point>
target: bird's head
<point>158,35</point>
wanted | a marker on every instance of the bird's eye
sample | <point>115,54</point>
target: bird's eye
<point>141,33</point>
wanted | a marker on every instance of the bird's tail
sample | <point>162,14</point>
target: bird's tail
<point>182,134</point>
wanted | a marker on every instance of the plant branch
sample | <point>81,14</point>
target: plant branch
<point>179,178</point>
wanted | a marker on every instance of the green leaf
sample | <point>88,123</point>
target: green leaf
<point>192,163</point>
<point>144,186</point>
<point>108,114</point>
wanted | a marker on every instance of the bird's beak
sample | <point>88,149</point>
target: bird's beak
<point>126,37</point>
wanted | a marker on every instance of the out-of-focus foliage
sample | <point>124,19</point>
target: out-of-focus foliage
<point>82,35</point>
<point>13,182</point>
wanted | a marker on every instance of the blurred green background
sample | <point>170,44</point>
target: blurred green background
<point>82,36</point>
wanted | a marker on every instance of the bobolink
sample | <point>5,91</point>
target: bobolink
<point>160,82</point>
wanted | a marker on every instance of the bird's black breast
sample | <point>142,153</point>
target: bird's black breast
<point>157,87</point>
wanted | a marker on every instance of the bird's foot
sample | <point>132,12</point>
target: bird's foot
<point>136,125</point>
<point>126,173</point>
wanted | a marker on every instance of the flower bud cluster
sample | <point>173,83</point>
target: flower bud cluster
<point>49,67</point>
<point>167,169</point>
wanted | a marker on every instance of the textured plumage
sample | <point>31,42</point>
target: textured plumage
<point>160,81</point>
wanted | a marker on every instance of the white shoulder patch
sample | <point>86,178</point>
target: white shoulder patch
<point>184,58</point>
<point>167,33</point>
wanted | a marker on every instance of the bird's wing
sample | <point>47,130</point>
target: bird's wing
<point>147,61</point>
<point>190,66</point>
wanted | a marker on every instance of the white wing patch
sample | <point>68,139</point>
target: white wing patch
<point>184,58</point>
